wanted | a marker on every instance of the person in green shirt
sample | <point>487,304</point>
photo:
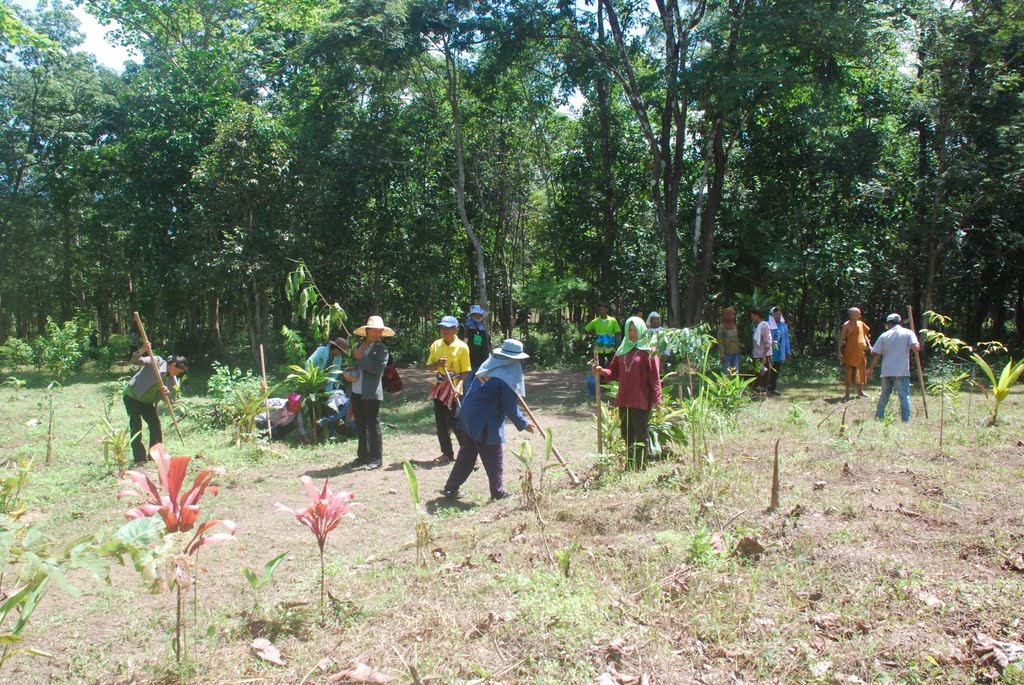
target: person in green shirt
<point>606,331</point>
<point>142,394</point>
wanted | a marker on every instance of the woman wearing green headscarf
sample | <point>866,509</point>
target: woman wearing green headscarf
<point>639,375</point>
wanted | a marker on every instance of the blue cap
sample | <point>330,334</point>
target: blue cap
<point>448,322</point>
<point>477,309</point>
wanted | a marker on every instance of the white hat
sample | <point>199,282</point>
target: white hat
<point>375,322</point>
<point>511,348</point>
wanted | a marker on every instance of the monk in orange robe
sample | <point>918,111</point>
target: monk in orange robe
<point>852,345</point>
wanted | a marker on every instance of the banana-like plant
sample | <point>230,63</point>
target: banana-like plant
<point>311,382</point>
<point>1000,386</point>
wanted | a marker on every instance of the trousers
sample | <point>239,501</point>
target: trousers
<point>137,411</point>
<point>492,457</point>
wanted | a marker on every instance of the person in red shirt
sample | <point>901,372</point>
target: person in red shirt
<point>639,375</point>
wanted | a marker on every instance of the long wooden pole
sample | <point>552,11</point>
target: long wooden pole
<point>266,403</point>
<point>451,384</point>
<point>917,355</point>
<point>156,372</point>
<point>558,455</point>
<point>597,397</point>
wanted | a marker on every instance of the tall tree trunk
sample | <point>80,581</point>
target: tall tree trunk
<point>460,179</point>
<point>213,301</point>
<point>706,252</point>
<point>609,234</point>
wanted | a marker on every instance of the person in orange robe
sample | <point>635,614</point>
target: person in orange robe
<point>852,345</point>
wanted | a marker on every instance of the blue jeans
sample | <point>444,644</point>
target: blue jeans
<point>902,386</point>
<point>730,361</point>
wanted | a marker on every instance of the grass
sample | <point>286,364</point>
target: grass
<point>884,573</point>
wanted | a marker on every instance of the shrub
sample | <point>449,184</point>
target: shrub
<point>226,382</point>
<point>62,350</point>
<point>114,351</point>
<point>15,352</point>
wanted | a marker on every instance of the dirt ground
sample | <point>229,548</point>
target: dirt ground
<point>885,562</point>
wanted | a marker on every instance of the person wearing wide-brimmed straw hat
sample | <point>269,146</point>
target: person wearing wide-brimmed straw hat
<point>371,357</point>
<point>330,357</point>
<point>490,399</point>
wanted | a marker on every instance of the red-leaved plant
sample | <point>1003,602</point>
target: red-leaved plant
<point>179,509</point>
<point>323,516</point>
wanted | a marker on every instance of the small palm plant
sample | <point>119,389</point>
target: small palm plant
<point>116,444</point>
<point>311,382</point>
<point>247,404</point>
<point>1000,386</point>
<point>948,390</point>
<point>327,511</point>
<point>422,530</point>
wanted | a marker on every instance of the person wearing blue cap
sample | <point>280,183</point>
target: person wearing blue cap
<point>449,358</point>
<point>477,337</point>
<point>490,399</point>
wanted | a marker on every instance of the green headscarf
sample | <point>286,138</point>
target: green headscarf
<point>641,336</point>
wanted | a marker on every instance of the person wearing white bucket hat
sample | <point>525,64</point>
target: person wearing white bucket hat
<point>490,399</point>
<point>371,357</point>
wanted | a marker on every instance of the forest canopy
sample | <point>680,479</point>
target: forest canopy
<point>536,156</point>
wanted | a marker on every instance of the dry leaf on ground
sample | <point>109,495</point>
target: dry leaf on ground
<point>1015,561</point>
<point>266,650</point>
<point>995,654</point>
<point>748,548</point>
<point>359,674</point>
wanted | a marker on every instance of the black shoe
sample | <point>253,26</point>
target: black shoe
<point>450,494</point>
<point>373,465</point>
<point>357,462</point>
<point>500,495</point>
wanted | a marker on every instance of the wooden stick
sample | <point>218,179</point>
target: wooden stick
<point>156,372</point>
<point>558,455</point>
<point>597,395</point>
<point>266,402</point>
<point>451,384</point>
<point>917,355</point>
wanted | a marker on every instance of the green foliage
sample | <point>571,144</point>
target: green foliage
<point>258,581</point>
<point>310,305</point>
<point>116,446</point>
<point>12,485</point>
<point>226,382</point>
<point>1000,387</point>
<point>565,557</point>
<point>241,412</point>
<point>15,353</point>
<point>422,529</point>
<point>115,350</point>
<point>62,350</point>
<point>294,346</point>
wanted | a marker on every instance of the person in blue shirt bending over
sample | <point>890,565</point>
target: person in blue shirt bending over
<point>490,399</point>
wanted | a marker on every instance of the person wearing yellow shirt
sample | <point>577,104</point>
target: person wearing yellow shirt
<point>606,334</point>
<point>449,357</point>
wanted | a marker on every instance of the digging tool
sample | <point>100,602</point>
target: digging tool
<point>917,355</point>
<point>266,404</point>
<point>558,455</point>
<point>159,379</point>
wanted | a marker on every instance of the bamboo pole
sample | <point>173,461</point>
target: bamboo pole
<point>597,396</point>
<point>266,403</point>
<point>156,372</point>
<point>558,455</point>
<point>917,355</point>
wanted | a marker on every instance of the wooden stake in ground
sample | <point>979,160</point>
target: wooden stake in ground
<point>159,380</point>
<point>597,395</point>
<point>558,455</point>
<point>774,505</point>
<point>917,355</point>
<point>266,404</point>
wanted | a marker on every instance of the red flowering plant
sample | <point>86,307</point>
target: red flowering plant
<point>323,516</point>
<point>168,559</point>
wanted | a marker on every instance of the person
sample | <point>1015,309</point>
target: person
<point>477,337</point>
<point>606,330</point>
<point>341,421</point>
<point>729,342</point>
<point>284,416</point>
<point>449,358</point>
<point>371,356</point>
<point>637,312</point>
<point>852,344</point>
<point>639,375</point>
<point>893,347</point>
<point>142,394</point>
<point>654,331</point>
<point>329,358</point>
<point>490,399</point>
<point>781,348</point>
<point>762,348</point>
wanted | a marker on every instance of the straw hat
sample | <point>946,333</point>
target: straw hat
<point>375,322</point>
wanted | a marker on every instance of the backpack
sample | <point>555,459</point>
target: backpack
<point>390,379</point>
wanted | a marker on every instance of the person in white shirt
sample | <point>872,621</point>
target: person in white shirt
<point>894,347</point>
<point>761,351</point>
